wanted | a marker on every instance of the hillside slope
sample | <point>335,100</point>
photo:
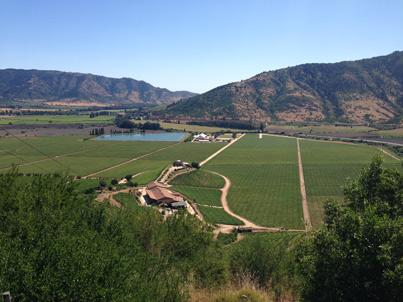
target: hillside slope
<point>355,91</point>
<point>56,87</point>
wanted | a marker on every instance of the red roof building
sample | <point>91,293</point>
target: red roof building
<point>159,193</point>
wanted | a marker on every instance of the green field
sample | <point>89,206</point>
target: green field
<point>265,183</point>
<point>200,186</point>
<point>55,119</point>
<point>321,129</point>
<point>199,178</point>
<point>78,156</point>
<point>200,195</point>
<point>153,164</point>
<point>264,172</point>
<point>217,216</point>
<point>327,168</point>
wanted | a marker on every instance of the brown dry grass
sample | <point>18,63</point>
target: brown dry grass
<point>245,289</point>
<point>75,103</point>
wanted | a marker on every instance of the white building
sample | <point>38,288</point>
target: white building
<point>202,137</point>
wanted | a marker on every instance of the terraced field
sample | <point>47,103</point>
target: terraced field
<point>327,167</point>
<point>265,182</point>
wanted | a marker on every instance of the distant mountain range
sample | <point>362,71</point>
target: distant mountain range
<point>355,91</point>
<point>70,88</point>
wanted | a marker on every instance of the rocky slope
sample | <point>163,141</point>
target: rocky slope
<point>354,91</point>
<point>58,88</point>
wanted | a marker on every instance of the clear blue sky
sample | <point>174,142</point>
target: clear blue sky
<point>193,45</point>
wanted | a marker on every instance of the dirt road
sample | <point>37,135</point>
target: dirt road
<point>221,150</point>
<point>388,153</point>
<point>129,161</point>
<point>247,223</point>
<point>305,209</point>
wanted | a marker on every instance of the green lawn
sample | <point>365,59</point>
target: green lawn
<point>327,168</point>
<point>265,182</point>
<point>55,119</point>
<point>217,216</point>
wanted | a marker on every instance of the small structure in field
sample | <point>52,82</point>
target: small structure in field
<point>159,193</point>
<point>123,181</point>
<point>202,138</point>
<point>223,139</point>
<point>179,164</point>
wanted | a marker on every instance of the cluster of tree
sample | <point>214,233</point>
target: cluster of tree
<point>148,126</point>
<point>59,245</point>
<point>234,124</point>
<point>124,121</point>
<point>97,131</point>
<point>357,255</point>
<point>100,113</point>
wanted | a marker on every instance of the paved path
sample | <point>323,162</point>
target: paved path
<point>221,150</point>
<point>305,209</point>
<point>129,161</point>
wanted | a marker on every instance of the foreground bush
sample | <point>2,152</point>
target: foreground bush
<point>58,245</point>
<point>357,255</point>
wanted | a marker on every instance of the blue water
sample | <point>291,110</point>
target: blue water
<point>144,137</point>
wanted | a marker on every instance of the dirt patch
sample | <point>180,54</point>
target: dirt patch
<point>75,103</point>
<point>362,110</point>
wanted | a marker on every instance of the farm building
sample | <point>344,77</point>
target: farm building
<point>202,137</point>
<point>160,194</point>
<point>181,164</point>
<point>223,139</point>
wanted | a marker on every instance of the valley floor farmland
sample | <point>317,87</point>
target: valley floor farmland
<point>55,119</point>
<point>265,185</point>
<point>327,167</point>
<point>79,156</point>
<point>265,182</point>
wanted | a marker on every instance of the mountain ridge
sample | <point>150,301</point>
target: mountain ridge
<point>53,87</point>
<point>355,91</point>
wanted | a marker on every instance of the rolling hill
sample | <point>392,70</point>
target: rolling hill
<point>67,88</point>
<point>368,90</point>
